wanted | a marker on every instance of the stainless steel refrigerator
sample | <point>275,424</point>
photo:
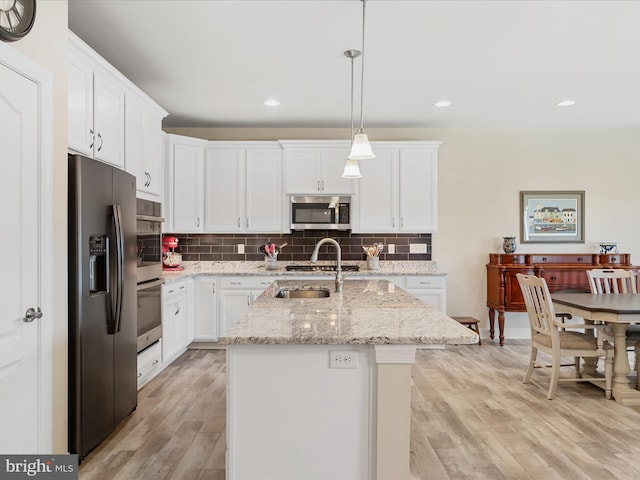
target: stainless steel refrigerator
<point>102,301</point>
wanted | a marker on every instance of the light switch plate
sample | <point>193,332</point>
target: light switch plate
<point>392,248</point>
<point>417,248</point>
<point>241,248</point>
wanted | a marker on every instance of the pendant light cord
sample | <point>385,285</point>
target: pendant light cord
<point>352,100</point>
<point>364,5</point>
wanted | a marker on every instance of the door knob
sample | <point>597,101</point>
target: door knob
<point>31,315</point>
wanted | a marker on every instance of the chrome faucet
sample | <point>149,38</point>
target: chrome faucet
<point>314,259</point>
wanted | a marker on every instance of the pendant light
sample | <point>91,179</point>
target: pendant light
<point>351,169</point>
<point>361,148</point>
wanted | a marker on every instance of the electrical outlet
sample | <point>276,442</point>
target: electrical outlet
<point>241,248</point>
<point>392,248</point>
<point>343,359</point>
<point>417,248</point>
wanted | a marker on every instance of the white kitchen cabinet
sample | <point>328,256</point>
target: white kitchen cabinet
<point>143,144</point>
<point>236,294</point>
<point>206,309</point>
<point>315,167</point>
<point>245,178</point>
<point>95,105</point>
<point>431,289</point>
<point>398,190</point>
<point>174,320</point>
<point>184,199</point>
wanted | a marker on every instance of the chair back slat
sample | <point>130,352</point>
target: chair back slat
<point>612,281</point>
<point>542,317</point>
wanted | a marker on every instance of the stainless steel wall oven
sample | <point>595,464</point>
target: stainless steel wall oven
<point>149,272</point>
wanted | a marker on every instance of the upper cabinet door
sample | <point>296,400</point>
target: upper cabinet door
<point>152,156</point>
<point>263,190</point>
<point>108,98</point>
<point>187,171</point>
<point>331,168</point>
<point>134,140</point>
<point>301,167</point>
<point>377,197</point>
<point>224,190</point>
<point>315,167</point>
<point>80,105</point>
<point>418,190</point>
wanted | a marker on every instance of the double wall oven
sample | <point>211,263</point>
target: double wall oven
<point>149,270</point>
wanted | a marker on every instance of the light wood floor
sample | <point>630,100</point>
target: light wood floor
<point>472,418</point>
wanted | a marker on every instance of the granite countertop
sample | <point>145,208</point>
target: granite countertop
<point>366,312</point>
<point>257,269</point>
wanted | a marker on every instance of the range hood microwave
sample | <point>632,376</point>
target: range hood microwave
<point>314,212</point>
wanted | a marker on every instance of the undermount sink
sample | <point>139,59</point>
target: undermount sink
<point>303,293</point>
<point>321,268</point>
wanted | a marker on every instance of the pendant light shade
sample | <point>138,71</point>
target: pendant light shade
<point>351,170</point>
<point>361,148</point>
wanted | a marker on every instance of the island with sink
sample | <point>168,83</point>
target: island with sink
<point>318,380</point>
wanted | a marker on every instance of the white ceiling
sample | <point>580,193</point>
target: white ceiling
<point>501,63</point>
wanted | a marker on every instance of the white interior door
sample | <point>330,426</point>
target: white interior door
<point>19,288</point>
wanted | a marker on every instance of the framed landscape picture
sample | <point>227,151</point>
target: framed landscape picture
<point>552,217</point>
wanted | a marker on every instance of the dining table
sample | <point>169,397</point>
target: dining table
<point>618,311</point>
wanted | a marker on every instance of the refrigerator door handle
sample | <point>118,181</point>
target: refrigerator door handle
<point>119,287</point>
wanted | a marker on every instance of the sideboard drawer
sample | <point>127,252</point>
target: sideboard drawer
<point>586,259</point>
<point>614,259</point>
<point>565,278</point>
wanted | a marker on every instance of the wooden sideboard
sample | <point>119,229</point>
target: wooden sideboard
<point>560,270</point>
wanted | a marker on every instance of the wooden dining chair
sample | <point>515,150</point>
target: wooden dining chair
<point>618,281</point>
<point>550,336</point>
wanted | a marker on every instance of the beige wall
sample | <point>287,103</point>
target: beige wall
<point>482,171</point>
<point>47,45</point>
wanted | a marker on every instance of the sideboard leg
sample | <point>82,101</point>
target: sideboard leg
<point>492,317</point>
<point>501,326</point>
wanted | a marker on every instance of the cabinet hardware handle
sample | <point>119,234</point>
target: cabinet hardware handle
<point>323,185</point>
<point>213,288</point>
<point>235,283</point>
<point>198,222</point>
<point>393,222</point>
<point>318,185</point>
<point>248,300</point>
<point>425,283</point>
<point>613,259</point>
<point>238,222</point>
<point>544,259</point>
<point>579,259</point>
<point>93,138</point>
<point>101,142</point>
<point>32,314</point>
<point>155,362</point>
<point>401,222</point>
<point>171,291</point>
<point>553,278</point>
<point>177,309</point>
<point>182,287</point>
<point>247,222</point>
<point>139,374</point>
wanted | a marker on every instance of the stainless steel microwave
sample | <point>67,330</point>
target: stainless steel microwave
<point>320,212</point>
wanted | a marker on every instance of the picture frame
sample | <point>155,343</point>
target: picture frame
<point>552,217</point>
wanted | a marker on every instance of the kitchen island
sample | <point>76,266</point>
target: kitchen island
<point>319,388</point>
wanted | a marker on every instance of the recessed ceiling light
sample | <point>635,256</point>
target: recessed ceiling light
<point>272,102</point>
<point>565,103</point>
<point>442,103</point>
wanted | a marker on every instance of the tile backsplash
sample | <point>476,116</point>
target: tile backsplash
<point>209,247</point>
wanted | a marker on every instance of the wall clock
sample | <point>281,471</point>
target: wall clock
<point>16,18</point>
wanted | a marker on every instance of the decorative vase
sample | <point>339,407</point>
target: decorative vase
<point>509,244</point>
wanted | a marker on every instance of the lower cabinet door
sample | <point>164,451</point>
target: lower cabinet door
<point>233,303</point>
<point>206,306</point>
<point>174,328</point>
